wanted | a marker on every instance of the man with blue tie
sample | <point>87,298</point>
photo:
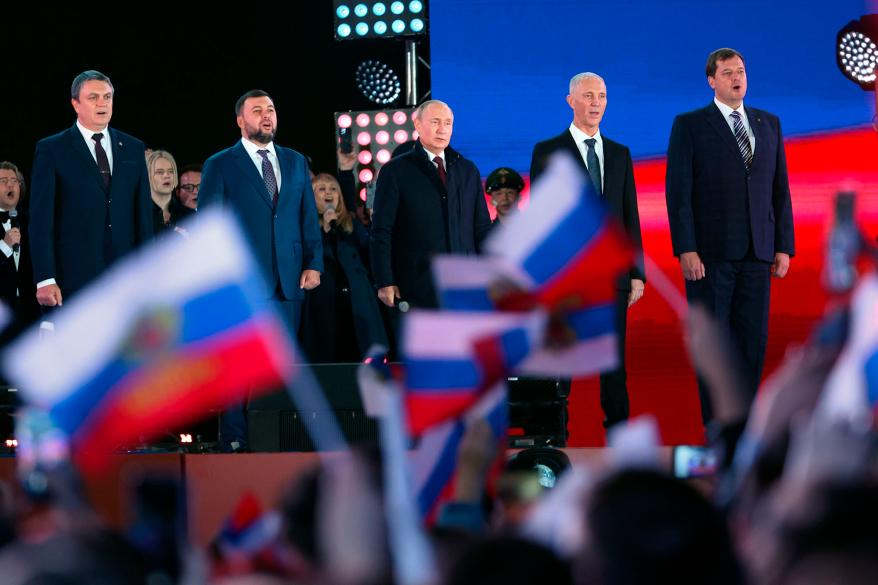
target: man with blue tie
<point>730,212</point>
<point>90,196</point>
<point>268,189</point>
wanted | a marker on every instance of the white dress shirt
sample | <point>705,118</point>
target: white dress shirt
<point>253,150</point>
<point>6,248</point>
<point>580,137</point>
<point>727,114</point>
<point>105,142</point>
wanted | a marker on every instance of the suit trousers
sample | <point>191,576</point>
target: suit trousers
<point>233,420</point>
<point>614,388</point>
<point>737,294</point>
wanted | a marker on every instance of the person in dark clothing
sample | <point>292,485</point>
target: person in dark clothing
<point>340,318</point>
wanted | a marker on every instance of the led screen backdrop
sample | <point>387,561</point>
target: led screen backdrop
<point>503,66</point>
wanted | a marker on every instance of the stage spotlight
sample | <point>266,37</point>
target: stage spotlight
<point>378,82</point>
<point>377,18</point>
<point>855,51</point>
<point>378,133</point>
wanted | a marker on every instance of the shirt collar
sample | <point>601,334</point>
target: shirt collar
<point>87,134</point>
<point>253,148</point>
<point>579,136</point>
<point>727,111</point>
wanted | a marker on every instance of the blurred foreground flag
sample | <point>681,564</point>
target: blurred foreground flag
<point>851,391</point>
<point>565,247</point>
<point>179,328</point>
<point>452,358</point>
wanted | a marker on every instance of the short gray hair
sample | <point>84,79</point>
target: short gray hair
<point>90,75</point>
<point>580,77</point>
<point>420,111</point>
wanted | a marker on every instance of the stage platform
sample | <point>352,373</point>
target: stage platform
<point>214,483</point>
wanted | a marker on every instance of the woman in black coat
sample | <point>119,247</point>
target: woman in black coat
<point>340,318</point>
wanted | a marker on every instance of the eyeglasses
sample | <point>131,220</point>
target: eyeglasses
<point>8,181</point>
<point>189,187</point>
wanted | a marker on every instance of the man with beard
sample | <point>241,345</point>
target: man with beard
<point>268,188</point>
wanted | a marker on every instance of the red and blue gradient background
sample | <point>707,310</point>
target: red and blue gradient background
<point>503,66</point>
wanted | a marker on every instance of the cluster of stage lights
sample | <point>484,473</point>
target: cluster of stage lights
<point>856,51</point>
<point>378,82</point>
<point>375,134</point>
<point>357,20</point>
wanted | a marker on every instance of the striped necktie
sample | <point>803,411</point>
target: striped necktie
<point>743,139</point>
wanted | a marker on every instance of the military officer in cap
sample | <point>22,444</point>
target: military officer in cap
<point>504,186</point>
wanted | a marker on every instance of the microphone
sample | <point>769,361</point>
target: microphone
<point>332,223</point>
<point>13,221</point>
<point>403,306</point>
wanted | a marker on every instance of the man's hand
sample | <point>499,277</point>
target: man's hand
<point>310,279</point>
<point>49,295</point>
<point>693,267</point>
<point>781,265</point>
<point>346,161</point>
<point>636,293</point>
<point>12,237</point>
<point>388,295</point>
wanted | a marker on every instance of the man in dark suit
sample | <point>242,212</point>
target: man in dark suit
<point>90,196</point>
<point>17,290</point>
<point>268,189</point>
<point>427,201</point>
<point>729,210</point>
<point>609,167</point>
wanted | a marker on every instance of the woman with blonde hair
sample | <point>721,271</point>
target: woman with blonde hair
<point>162,169</point>
<point>340,318</point>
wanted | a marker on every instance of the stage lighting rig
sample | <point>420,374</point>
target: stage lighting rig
<point>378,82</point>
<point>381,18</point>
<point>375,133</point>
<point>856,52</point>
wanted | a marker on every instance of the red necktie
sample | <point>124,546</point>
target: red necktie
<point>440,166</point>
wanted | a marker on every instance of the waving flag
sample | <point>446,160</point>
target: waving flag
<point>434,461</point>
<point>565,247</point>
<point>180,328</point>
<point>452,358</point>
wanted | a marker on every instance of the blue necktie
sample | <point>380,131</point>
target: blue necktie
<point>743,139</point>
<point>594,165</point>
<point>268,176</point>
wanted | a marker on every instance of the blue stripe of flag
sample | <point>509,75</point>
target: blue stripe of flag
<point>466,299</point>
<point>442,374</point>
<point>592,322</point>
<point>566,239</point>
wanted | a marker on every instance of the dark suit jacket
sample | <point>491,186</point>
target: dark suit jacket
<point>24,304</point>
<point>285,241</point>
<point>715,207</point>
<point>77,227</point>
<point>409,226</point>
<point>620,192</point>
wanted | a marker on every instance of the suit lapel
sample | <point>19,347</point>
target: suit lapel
<point>81,149</point>
<point>759,134</point>
<point>612,169</point>
<point>245,163</point>
<point>570,145</point>
<point>427,167</point>
<point>716,119</point>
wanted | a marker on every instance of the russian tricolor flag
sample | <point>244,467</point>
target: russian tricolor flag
<point>434,461</point>
<point>565,247</point>
<point>180,328</point>
<point>451,358</point>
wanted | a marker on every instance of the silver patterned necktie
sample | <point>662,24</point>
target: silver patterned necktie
<point>743,139</point>
<point>268,176</point>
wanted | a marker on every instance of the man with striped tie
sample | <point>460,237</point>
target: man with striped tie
<point>729,210</point>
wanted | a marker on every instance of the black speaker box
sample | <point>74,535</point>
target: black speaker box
<point>277,424</point>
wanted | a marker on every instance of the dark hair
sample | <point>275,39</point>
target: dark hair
<point>191,168</point>
<point>511,560</point>
<point>720,55</point>
<point>650,528</point>
<point>21,186</point>
<point>90,75</point>
<point>239,105</point>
